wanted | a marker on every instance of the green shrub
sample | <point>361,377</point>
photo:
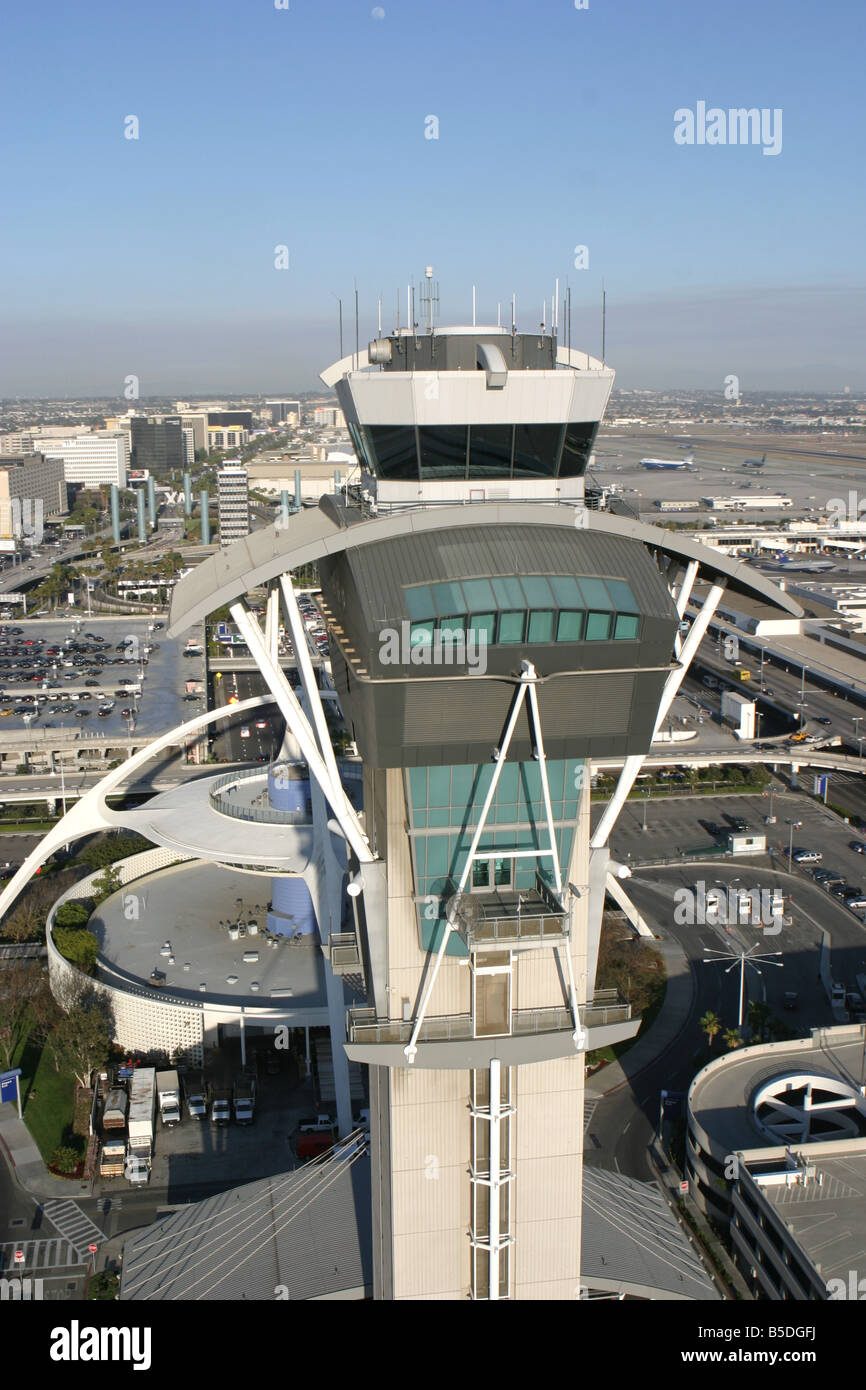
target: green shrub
<point>78,946</point>
<point>65,1159</point>
<point>72,914</point>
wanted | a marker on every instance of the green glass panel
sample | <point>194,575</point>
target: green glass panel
<point>418,785</point>
<point>541,626</point>
<point>622,595</point>
<point>478,593</point>
<point>565,591</point>
<point>452,629</point>
<point>462,779</point>
<point>507,592</point>
<point>597,627</point>
<point>421,634</point>
<point>439,818</point>
<point>419,602</point>
<point>569,627</point>
<point>449,598</point>
<point>420,818</point>
<point>511,627</point>
<point>437,855</point>
<point>537,591</point>
<point>439,783</point>
<point>595,594</point>
<point>627,625</point>
<point>506,789</point>
<point>483,625</point>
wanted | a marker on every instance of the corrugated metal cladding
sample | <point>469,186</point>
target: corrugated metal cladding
<point>381,571</point>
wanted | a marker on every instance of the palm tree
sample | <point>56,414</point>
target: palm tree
<point>732,1039</point>
<point>711,1024</point>
<point>758,1016</point>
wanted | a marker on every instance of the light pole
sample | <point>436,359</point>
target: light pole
<point>795,825</point>
<point>744,957</point>
<point>762,670</point>
<point>856,720</point>
<point>646,797</point>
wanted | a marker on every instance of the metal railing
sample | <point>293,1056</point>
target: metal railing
<point>363,1027</point>
<point>266,815</point>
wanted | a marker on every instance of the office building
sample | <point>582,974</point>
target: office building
<point>157,443</point>
<point>96,459</point>
<point>32,489</point>
<point>233,503</point>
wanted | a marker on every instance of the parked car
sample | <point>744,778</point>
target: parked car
<point>807,856</point>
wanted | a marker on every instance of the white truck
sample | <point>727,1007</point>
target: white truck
<point>245,1100</point>
<point>142,1108</point>
<point>221,1107</point>
<point>168,1093</point>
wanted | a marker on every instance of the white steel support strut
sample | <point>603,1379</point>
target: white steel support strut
<point>494,1221</point>
<point>545,785</point>
<point>681,598</point>
<point>297,722</point>
<point>272,622</point>
<point>632,765</point>
<point>308,675</point>
<point>527,675</point>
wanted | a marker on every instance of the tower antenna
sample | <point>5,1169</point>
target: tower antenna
<point>603,321</point>
<point>357,353</point>
<point>473,306</point>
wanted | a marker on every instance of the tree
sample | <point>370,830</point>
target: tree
<point>72,914</point>
<point>711,1024</point>
<point>78,946</point>
<point>758,1017</point>
<point>21,984</point>
<point>80,1041</point>
<point>109,882</point>
<point>732,1039</point>
<point>100,853</point>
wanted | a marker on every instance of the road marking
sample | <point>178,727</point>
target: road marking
<point>73,1224</point>
<point>39,1255</point>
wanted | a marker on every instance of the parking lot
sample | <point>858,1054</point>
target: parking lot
<point>60,674</point>
<point>197,1156</point>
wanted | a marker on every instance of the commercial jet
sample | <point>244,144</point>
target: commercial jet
<point>802,566</point>
<point>755,463</point>
<point>687,461</point>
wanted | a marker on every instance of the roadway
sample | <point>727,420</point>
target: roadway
<point>622,1123</point>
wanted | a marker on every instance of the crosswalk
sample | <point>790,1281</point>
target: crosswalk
<point>72,1223</point>
<point>39,1255</point>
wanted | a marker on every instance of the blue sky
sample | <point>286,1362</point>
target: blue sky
<point>306,127</point>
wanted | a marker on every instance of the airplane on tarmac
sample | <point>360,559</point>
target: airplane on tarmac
<point>687,461</point>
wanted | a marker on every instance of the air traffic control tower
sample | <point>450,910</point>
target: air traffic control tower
<point>492,633</point>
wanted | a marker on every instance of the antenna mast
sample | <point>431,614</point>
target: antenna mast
<point>603,321</point>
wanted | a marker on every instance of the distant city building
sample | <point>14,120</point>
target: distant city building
<point>31,479</point>
<point>196,420</point>
<point>20,443</point>
<point>329,415</point>
<point>188,434</point>
<point>282,412</point>
<point>243,418</point>
<point>233,503</point>
<point>157,443</point>
<point>94,459</point>
<point>227,436</point>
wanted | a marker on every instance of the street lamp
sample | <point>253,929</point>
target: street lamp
<point>744,957</point>
<point>795,825</point>
<point>646,797</point>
